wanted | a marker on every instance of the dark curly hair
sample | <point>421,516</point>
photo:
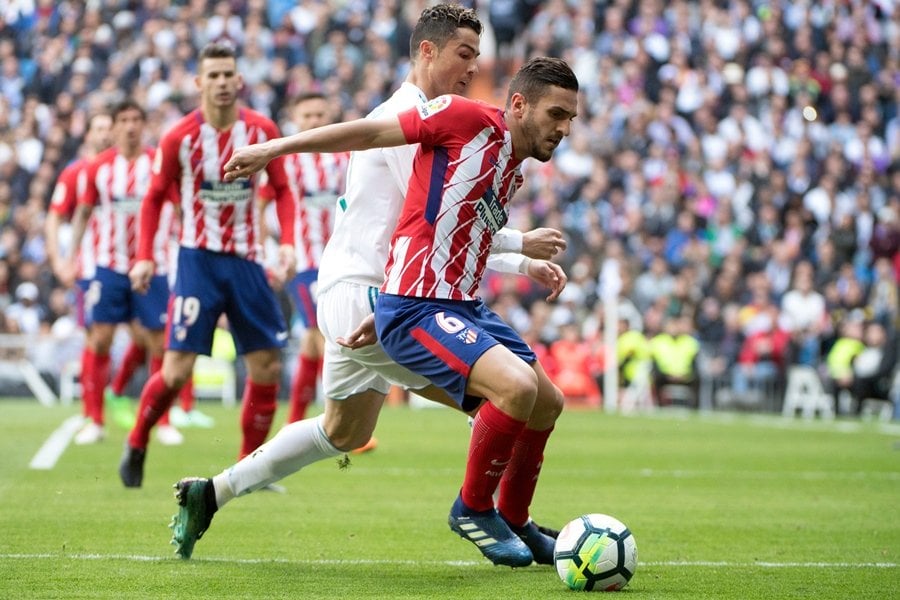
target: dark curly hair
<point>438,24</point>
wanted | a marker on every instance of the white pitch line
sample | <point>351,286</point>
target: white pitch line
<point>56,444</point>
<point>450,563</point>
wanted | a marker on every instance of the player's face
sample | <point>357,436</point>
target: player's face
<point>128,129</point>
<point>219,82</point>
<point>546,122</point>
<point>455,65</point>
<point>99,136</point>
<point>311,113</point>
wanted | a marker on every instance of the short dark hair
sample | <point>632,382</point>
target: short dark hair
<point>217,50</point>
<point>304,96</point>
<point>539,73</point>
<point>438,24</point>
<point>124,105</point>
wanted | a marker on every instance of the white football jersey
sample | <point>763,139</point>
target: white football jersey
<point>367,213</point>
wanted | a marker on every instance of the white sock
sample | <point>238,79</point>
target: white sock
<point>298,444</point>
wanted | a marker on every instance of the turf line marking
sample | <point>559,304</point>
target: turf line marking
<point>56,444</point>
<point>451,563</point>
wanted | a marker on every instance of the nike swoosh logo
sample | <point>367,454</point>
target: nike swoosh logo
<point>281,336</point>
<point>499,463</point>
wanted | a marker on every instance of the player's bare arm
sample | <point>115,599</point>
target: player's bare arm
<point>361,134</point>
<point>69,268</point>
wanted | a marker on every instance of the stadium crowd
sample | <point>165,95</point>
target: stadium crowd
<point>736,162</point>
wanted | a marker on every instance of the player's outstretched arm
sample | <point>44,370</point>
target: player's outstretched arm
<point>361,134</point>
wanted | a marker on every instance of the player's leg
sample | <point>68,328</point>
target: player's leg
<point>260,332</point>
<point>444,342</point>
<point>107,299</point>
<point>517,486</point>
<point>260,398</point>
<point>150,311</point>
<point>303,386</point>
<point>120,405</point>
<point>301,291</point>
<point>95,373</point>
<point>156,399</point>
<point>345,424</point>
<point>196,306</point>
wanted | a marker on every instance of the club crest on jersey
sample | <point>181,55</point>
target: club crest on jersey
<point>467,336</point>
<point>432,107</point>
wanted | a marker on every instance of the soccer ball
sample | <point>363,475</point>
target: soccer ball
<point>595,553</point>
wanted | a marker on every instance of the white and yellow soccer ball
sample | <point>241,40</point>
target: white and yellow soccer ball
<point>596,553</point>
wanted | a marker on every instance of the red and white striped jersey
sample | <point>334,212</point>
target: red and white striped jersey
<point>464,174</point>
<point>215,215</point>
<point>114,188</point>
<point>318,180</point>
<point>69,187</point>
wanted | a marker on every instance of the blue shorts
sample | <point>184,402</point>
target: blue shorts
<point>208,284</point>
<point>110,299</point>
<point>442,339</point>
<point>302,290</point>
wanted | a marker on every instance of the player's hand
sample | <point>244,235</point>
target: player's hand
<point>549,275</point>
<point>542,243</point>
<point>66,271</point>
<point>140,275</point>
<point>364,335</point>
<point>246,161</point>
<point>287,264</point>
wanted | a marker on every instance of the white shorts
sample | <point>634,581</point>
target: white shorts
<point>345,372</point>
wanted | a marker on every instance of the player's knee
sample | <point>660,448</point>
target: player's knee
<point>265,370</point>
<point>549,404</point>
<point>517,391</point>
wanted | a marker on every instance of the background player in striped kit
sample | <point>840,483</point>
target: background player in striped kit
<point>219,269</point>
<point>318,180</point>
<point>70,184</point>
<point>106,216</point>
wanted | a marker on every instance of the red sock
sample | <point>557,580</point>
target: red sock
<point>257,412</point>
<point>493,435</point>
<point>303,390</point>
<point>93,381</point>
<point>186,396</point>
<point>87,368</point>
<point>155,366</point>
<point>134,357</point>
<point>521,477</point>
<point>156,398</point>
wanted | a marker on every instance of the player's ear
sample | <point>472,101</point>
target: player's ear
<point>517,104</point>
<point>427,49</point>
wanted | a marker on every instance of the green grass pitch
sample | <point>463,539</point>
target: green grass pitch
<point>721,506</point>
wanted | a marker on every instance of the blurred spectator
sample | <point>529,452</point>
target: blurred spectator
<point>875,366</point>
<point>804,315</point>
<point>675,351</point>
<point>839,361</point>
<point>763,355</point>
<point>26,314</point>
